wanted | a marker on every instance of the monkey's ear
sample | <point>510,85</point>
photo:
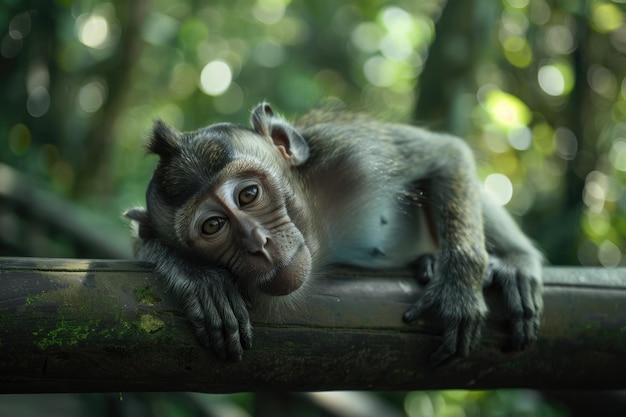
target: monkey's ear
<point>165,140</point>
<point>285,137</point>
<point>140,215</point>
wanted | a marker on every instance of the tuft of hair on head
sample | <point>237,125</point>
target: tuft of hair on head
<point>165,141</point>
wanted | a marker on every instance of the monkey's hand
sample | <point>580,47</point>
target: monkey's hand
<point>211,301</point>
<point>461,307</point>
<point>519,277</point>
<point>216,311</point>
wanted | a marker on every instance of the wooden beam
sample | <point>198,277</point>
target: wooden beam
<point>107,326</point>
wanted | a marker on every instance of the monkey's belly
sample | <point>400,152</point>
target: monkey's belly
<point>380,239</point>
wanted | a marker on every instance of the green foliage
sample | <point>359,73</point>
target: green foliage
<point>511,403</point>
<point>536,86</point>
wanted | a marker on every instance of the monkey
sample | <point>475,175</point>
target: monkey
<point>237,214</point>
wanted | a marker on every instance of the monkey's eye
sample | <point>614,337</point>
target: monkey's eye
<point>212,225</point>
<point>248,195</point>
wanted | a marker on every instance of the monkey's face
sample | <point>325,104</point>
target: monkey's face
<point>225,193</point>
<point>243,225</point>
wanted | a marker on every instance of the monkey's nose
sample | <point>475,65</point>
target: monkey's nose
<point>259,242</point>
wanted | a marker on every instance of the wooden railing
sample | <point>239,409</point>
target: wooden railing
<point>71,325</point>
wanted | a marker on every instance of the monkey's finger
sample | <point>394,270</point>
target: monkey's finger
<point>518,339</point>
<point>524,285</point>
<point>214,327</point>
<point>243,318</point>
<point>522,332</point>
<point>416,310</point>
<point>199,329</point>
<point>531,330</point>
<point>516,311</point>
<point>448,348</point>
<point>537,300</point>
<point>469,336</point>
<point>197,316</point>
<point>230,329</point>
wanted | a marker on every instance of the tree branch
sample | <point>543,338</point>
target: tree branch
<point>108,326</point>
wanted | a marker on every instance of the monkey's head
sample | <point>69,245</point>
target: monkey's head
<point>224,196</point>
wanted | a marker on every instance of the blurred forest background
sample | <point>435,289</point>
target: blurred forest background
<point>537,87</point>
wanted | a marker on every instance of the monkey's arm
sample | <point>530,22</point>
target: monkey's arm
<point>514,267</point>
<point>209,297</point>
<point>455,290</point>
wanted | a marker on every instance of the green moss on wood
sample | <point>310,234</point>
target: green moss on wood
<point>147,296</point>
<point>66,333</point>
<point>150,323</point>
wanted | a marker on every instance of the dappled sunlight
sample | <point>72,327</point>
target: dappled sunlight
<point>540,93</point>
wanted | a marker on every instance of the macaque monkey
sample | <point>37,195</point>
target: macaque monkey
<point>235,214</point>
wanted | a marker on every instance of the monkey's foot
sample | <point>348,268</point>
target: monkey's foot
<point>520,281</point>
<point>463,315</point>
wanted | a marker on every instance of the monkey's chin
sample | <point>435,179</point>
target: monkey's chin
<point>290,277</point>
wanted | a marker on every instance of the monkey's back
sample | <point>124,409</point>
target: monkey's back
<point>353,134</point>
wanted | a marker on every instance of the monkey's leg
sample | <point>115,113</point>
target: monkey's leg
<point>515,266</point>
<point>217,311</point>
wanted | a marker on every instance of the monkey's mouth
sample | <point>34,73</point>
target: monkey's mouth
<point>290,276</point>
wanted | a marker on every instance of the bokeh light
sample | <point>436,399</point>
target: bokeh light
<point>269,11</point>
<point>517,51</point>
<point>559,40</point>
<point>552,80</point>
<point>93,31</point>
<point>38,102</point>
<point>379,71</point>
<point>19,139</point>
<point>268,53</point>
<point>520,138</point>
<point>602,81</point>
<point>605,17</point>
<point>215,78</point>
<point>504,109</point>
<point>92,95</point>
<point>499,188</point>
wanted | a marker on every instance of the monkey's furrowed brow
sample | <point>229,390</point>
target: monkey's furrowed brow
<point>245,166</point>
